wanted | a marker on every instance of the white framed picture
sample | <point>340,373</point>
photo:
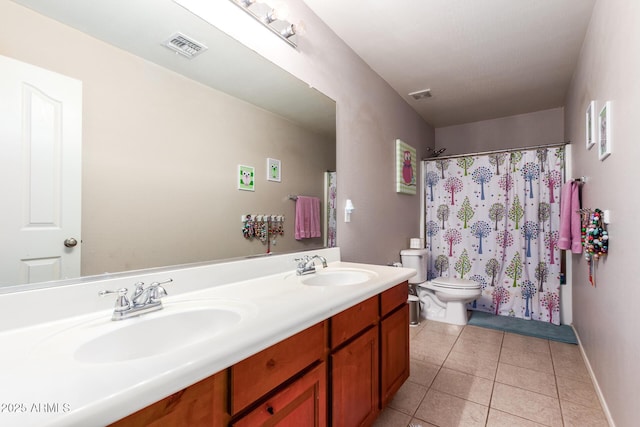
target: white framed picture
<point>590,125</point>
<point>246,178</point>
<point>274,170</point>
<point>604,131</point>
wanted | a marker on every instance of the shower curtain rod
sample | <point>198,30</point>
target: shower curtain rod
<point>507,150</point>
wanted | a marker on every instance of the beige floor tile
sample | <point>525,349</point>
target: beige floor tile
<point>526,404</point>
<point>527,379</point>
<point>465,386</point>
<point>416,422</point>
<point>575,415</point>
<point>445,410</point>
<point>422,373</point>
<point>502,419</point>
<point>471,364</point>
<point>392,418</point>
<point>564,350</point>
<point>414,330</point>
<point>442,328</point>
<point>486,350</point>
<point>482,334</point>
<point>569,367</point>
<point>525,343</point>
<point>536,361</point>
<point>459,364</point>
<point>408,398</point>
<point>579,392</point>
<point>431,347</point>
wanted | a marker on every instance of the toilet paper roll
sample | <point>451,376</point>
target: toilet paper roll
<point>416,243</point>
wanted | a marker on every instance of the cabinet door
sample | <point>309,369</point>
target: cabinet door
<point>200,405</point>
<point>303,403</point>
<point>354,382</point>
<point>394,352</point>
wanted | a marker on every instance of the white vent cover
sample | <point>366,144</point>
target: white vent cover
<point>184,45</point>
<point>421,94</point>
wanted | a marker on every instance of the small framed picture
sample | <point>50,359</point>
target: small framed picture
<point>246,178</point>
<point>590,125</point>
<point>274,170</point>
<point>406,168</point>
<point>604,129</point>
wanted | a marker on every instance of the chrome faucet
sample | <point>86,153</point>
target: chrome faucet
<point>143,300</point>
<point>307,265</point>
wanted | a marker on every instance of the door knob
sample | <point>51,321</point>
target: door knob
<point>70,242</point>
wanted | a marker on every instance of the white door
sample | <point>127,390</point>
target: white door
<point>40,174</point>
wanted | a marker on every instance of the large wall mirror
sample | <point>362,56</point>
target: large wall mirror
<point>163,135</point>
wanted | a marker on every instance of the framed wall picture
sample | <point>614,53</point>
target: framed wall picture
<point>604,129</point>
<point>590,125</point>
<point>406,168</point>
<point>274,170</point>
<point>246,178</point>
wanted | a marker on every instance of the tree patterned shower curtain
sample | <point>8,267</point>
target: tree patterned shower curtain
<point>494,219</point>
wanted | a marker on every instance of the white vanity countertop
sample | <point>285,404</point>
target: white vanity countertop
<point>44,385</point>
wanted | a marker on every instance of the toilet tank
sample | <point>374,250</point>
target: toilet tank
<point>416,259</point>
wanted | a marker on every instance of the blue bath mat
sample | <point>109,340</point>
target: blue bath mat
<point>532,328</point>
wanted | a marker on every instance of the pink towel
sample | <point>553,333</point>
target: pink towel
<point>570,226</point>
<point>307,217</point>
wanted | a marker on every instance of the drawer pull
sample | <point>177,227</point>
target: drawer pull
<point>270,410</point>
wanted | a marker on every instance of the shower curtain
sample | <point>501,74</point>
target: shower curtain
<point>494,219</point>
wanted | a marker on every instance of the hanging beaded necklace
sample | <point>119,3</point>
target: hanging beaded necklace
<point>595,239</point>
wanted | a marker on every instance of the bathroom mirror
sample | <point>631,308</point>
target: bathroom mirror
<point>164,135</point>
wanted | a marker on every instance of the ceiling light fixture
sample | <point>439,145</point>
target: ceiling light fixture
<point>271,18</point>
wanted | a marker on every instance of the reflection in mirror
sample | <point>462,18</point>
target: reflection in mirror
<point>163,135</point>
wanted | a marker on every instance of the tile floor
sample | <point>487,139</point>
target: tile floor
<point>470,376</point>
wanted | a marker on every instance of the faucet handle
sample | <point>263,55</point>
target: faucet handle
<point>157,292</point>
<point>302,260</point>
<point>122,302</point>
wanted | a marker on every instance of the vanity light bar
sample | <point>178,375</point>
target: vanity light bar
<point>269,18</point>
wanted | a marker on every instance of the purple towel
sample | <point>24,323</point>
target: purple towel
<point>307,217</point>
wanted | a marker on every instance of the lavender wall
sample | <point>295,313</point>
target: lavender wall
<point>606,316</point>
<point>522,130</point>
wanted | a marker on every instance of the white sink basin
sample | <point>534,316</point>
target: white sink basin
<point>338,277</point>
<point>176,326</point>
<point>150,336</point>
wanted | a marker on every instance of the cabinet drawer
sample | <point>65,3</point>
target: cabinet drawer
<point>303,403</point>
<point>253,377</point>
<point>393,298</point>
<point>349,322</point>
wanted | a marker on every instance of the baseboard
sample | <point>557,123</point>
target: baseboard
<point>594,380</point>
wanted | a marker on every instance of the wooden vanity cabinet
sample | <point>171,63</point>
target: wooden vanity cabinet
<point>203,404</point>
<point>339,372</point>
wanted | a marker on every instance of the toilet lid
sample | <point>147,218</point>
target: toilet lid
<point>454,282</point>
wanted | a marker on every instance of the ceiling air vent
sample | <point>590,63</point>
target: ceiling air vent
<point>184,45</point>
<point>421,94</point>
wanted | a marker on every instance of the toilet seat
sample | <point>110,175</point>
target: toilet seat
<point>454,283</point>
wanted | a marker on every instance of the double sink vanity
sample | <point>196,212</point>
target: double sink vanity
<point>240,343</point>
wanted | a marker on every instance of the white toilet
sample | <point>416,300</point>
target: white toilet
<point>443,299</point>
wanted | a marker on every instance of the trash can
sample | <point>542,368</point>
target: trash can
<point>414,310</point>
